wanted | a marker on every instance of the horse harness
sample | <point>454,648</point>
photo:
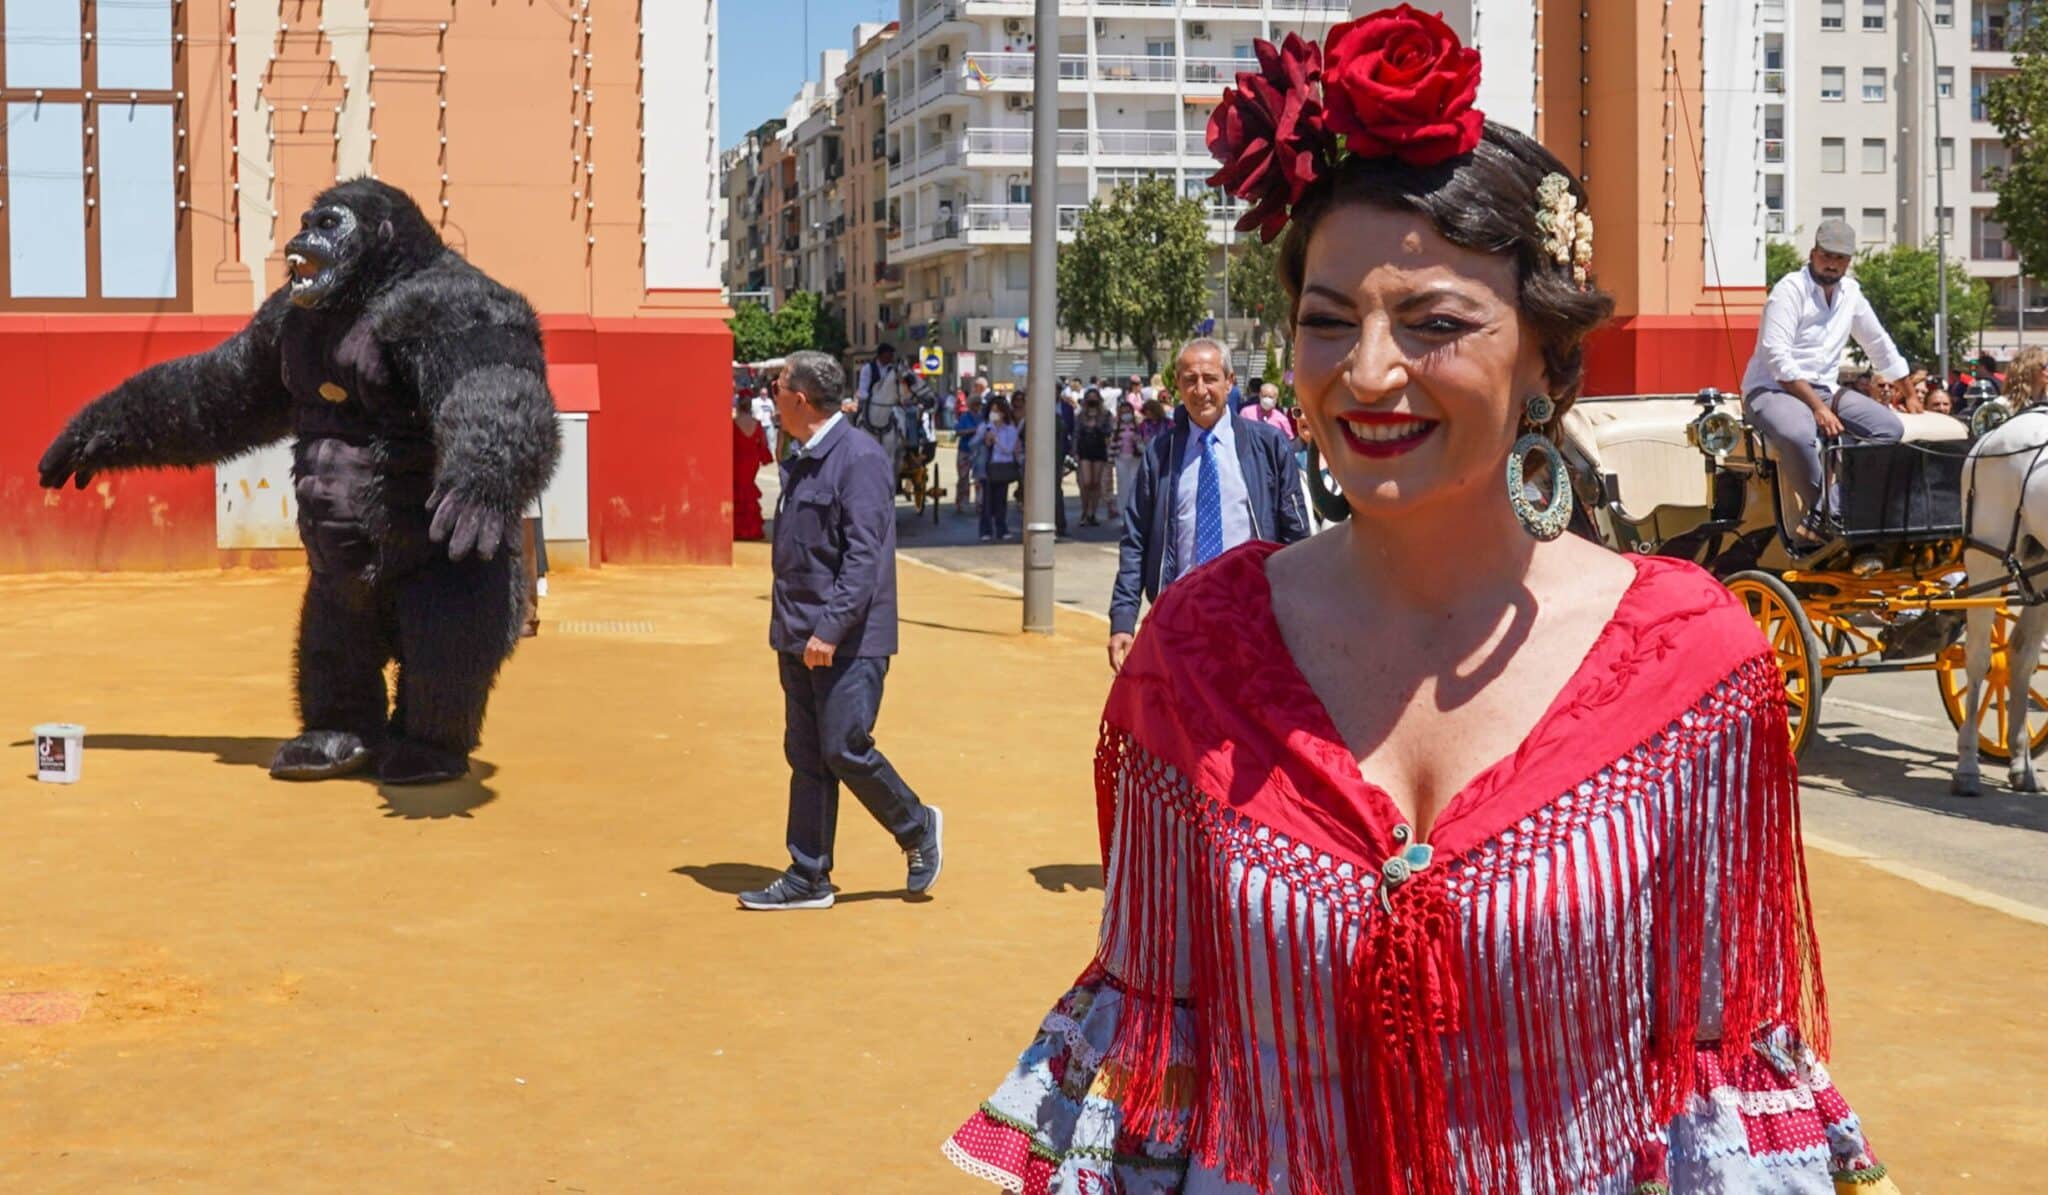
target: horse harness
<point>2021,575</point>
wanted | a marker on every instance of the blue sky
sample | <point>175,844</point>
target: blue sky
<point>761,58</point>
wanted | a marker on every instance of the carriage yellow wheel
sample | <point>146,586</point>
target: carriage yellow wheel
<point>1783,621</point>
<point>1994,710</point>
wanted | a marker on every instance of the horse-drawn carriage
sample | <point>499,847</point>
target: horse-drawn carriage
<point>1892,591</point>
<point>899,425</point>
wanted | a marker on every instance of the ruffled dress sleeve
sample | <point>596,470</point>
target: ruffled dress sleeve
<point>1055,1126</point>
<point>1062,1121</point>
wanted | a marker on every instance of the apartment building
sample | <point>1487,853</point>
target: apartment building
<point>1137,82</point>
<point>748,235</point>
<point>1854,90</point>
<point>873,284</point>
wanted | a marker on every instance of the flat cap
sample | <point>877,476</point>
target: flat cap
<point>1835,236</point>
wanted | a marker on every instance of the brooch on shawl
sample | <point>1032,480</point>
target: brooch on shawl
<point>1401,866</point>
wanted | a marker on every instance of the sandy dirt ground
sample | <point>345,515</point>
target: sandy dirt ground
<point>537,981</point>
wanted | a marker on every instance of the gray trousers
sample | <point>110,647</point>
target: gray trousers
<point>829,738</point>
<point>1788,425</point>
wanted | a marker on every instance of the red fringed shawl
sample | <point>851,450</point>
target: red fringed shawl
<point>1520,1013</point>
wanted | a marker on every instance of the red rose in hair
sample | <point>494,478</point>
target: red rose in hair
<point>1268,133</point>
<point>1399,83</point>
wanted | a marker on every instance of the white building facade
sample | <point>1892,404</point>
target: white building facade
<point>1853,88</point>
<point>1137,84</point>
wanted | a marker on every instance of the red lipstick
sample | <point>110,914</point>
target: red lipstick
<point>1378,435</point>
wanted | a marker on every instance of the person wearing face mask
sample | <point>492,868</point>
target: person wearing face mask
<point>1000,463</point>
<point>1788,391</point>
<point>1208,485</point>
<point>1267,411</point>
<point>1126,446</point>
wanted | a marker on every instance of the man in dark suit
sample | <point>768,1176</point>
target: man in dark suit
<point>1212,483</point>
<point>833,627</point>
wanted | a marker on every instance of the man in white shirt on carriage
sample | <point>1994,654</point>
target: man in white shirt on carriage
<point>1789,391</point>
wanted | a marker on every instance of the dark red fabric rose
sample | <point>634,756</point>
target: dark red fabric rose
<point>1399,83</point>
<point>1268,133</point>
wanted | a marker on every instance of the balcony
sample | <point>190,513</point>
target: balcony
<point>889,275</point>
<point>1138,143</point>
<point>934,158</point>
<point>881,144</point>
<point>1320,6</point>
<point>1774,150</point>
<point>1015,218</point>
<point>1128,68</point>
<point>931,18</point>
<point>881,211</point>
<point>838,226</point>
<point>1774,221</point>
<point>1016,143</point>
<point>790,243</point>
<point>1216,71</point>
<point>838,283</point>
<point>1774,82</point>
<point>993,68</point>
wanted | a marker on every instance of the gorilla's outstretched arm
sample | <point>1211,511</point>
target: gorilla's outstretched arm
<point>190,411</point>
<point>472,350</point>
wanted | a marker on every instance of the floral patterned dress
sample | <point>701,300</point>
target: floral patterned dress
<point>1599,975</point>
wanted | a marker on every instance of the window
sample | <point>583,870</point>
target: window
<point>1873,226</point>
<point>1017,271</point>
<point>1833,80</point>
<point>93,185</point>
<point>1832,154</point>
<point>1944,14</point>
<point>1832,213</point>
<point>1873,155</point>
<point>1873,84</point>
<point>1873,15</point>
<point>1948,221</point>
<point>1945,82</point>
<point>1945,154</point>
<point>1830,14</point>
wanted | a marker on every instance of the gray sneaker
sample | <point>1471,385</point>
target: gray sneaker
<point>926,856</point>
<point>789,891</point>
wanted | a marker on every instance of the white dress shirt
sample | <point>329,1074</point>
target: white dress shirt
<point>818,437</point>
<point>1803,335</point>
<point>1236,499</point>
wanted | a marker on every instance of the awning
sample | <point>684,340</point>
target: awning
<point>574,387</point>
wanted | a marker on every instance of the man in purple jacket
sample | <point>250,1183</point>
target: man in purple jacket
<point>833,627</point>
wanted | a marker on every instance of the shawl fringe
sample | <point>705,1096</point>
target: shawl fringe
<point>1526,1014</point>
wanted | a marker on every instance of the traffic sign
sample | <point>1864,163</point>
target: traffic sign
<point>934,360</point>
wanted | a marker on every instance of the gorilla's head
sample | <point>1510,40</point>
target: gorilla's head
<point>356,237</point>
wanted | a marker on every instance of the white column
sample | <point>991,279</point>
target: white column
<point>679,94</point>
<point>1731,91</point>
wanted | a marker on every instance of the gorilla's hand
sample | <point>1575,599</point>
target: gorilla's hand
<point>73,455</point>
<point>466,525</point>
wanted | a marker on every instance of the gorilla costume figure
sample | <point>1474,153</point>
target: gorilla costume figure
<point>417,391</point>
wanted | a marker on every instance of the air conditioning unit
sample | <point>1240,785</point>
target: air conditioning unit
<point>1015,26</point>
<point>1197,30</point>
<point>1017,102</point>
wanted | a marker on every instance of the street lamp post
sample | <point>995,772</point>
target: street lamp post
<point>1042,462</point>
<point>1940,203</point>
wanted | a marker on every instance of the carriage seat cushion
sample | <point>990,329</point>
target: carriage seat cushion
<point>1641,443</point>
<point>1933,427</point>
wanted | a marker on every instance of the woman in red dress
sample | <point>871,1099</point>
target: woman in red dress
<point>749,453</point>
<point>1445,853</point>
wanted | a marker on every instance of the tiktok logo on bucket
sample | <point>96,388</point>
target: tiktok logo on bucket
<point>58,746</point>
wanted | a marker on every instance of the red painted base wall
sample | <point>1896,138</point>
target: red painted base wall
<point>660,447</point>
<point>1669,354</point>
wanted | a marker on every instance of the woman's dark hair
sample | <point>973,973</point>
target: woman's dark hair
<point>1092,395</point>
<point>999,403</point>
<point>1484,200</point>
<point>1153,409</point>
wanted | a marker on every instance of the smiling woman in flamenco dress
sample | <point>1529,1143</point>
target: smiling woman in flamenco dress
<point>1445,853</point>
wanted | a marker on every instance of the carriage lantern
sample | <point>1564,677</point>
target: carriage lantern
<point>1989,414</point>
<point>1715,432</point>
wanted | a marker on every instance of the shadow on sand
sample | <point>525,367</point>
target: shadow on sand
<point>732,879</point>
<point>1068,877</point>
<point>456,798</point>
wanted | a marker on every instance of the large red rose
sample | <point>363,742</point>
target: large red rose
<point>1399,83</point>
<point>1268,133</point>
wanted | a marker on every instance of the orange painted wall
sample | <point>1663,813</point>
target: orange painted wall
<point>1638,148</point>
<point>541,115</point>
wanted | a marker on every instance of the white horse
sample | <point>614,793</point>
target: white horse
<point>2007,472</point>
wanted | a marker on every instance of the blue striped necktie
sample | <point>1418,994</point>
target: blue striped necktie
<point>1208,505</point>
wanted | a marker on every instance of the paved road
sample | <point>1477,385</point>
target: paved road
<point>1874,778</point>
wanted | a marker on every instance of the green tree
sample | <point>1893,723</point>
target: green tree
<point>1780,258</point>
<point>753,333</point>
<point>1903,290</point>
<point>805,322</point>
<point>2017,104</point>
<point>1137,270</point>
<point>1254,279</point>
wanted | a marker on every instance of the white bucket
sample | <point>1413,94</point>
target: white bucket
<point>59,748</point>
